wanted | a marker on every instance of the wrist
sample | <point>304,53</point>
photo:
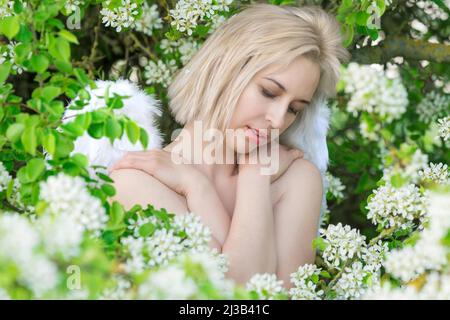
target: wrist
<point>196,185</point>
<point>254,171</point>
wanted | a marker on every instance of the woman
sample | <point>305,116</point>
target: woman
<point>268,68</point>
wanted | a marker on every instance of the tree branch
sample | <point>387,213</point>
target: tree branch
<point>404,47</point>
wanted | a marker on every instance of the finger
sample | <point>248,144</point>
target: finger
<point>296,153</point>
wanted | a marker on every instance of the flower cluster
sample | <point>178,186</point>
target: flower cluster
<point>438,173</point>
<point>69,195</point>
<point>35,271</point>
<point>342,243</point>
<point>188,13</point>
<point>354,263</point>
<point>160,72</point>
<point>393,207</point>
<point>433,106</point>
<point>72,5</point>
<point>305,283</point>
<point>7,53</point>
<point>188,233</point>
<point>266,286</point>
<point>149,20</point>
<point>428,253</point>
<point>444,128</point>
<point>373,92</point>
<point>5,177</point>
<point>335,186</point>
<point>6,8</point>
<point>119,17</point>
<point>409,166</point>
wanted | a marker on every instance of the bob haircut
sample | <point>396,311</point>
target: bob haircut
<point>208,87</point>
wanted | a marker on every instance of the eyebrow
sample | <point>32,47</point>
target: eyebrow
<point>284,89</point>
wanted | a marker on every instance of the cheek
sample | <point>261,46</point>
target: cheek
<point>251,104</point>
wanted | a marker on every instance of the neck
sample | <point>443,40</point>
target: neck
<point>209,156</point>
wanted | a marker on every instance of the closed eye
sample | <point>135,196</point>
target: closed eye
<point>269,95</point>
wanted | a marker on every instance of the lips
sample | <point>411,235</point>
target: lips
<point>260,133</point>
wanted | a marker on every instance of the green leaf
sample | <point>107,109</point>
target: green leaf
<point>143,137</point>
<point>39,63</point>
<point>319,243</point>
<point>117,213</point>
<point>348,32</point>
<point>10,26</point>
<point>146,230</point>
<point>69,36</point>
<point>133,131</point>
<point>29,140</point>
<point>96,130</point>
<point>50,92</point>
<point>22,52</point>
<point>73,129</point>
<point>115,102</point>
<point>5,69</point>
<point>15,131</point>
<point>113,129</point>
<point>25,34</point>
<point>35,168</point>
<point>63,66</point>
<point>108,189</point>
<point>59,48</point>
<point>104,177</point>
<point>49,143</point>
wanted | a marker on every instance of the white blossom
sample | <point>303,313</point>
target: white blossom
<point>6,8</point>
<point>428,253</point>
<point>120,291</point>
<point>433,106</point>
<point>396,207</point>
<point>342,243</point>
<point>350,283</point>
<point>198,235</point>
<point>305,288</point>
<point>68,195</point>
<point>162,247</point>
<point>160,72</point>
<point>60,234</point>
<point>444,128</point>
<point>5,177</point>
<point>119,17</point>
<point>265,285</point>
<point>150,19</point>
<point>372,91</point>
<point>72,5</point>
<point>335,186</point>
<point>437,173</point>
<point>188,13</point>
<point>170,283</point>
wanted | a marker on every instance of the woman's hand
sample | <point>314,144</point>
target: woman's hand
<point>158,163</point>
<point>286,157</point>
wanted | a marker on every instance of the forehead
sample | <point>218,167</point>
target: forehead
<point>302,75</point>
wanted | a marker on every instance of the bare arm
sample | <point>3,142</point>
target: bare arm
<point>137,187</point>
<point>297,218</point>
<point>202,199</point>
<point>250,245</point>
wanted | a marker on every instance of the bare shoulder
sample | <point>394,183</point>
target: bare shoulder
<point>137,187</point>
<point>302,174</point>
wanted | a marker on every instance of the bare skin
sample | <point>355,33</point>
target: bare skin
<point>262,223</point>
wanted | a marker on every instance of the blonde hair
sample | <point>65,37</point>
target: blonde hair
<point>257,37</point>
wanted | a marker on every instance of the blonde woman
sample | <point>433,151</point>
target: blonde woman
<point>267,69</point>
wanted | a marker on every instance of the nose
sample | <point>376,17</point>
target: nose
<point>276,116</point>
